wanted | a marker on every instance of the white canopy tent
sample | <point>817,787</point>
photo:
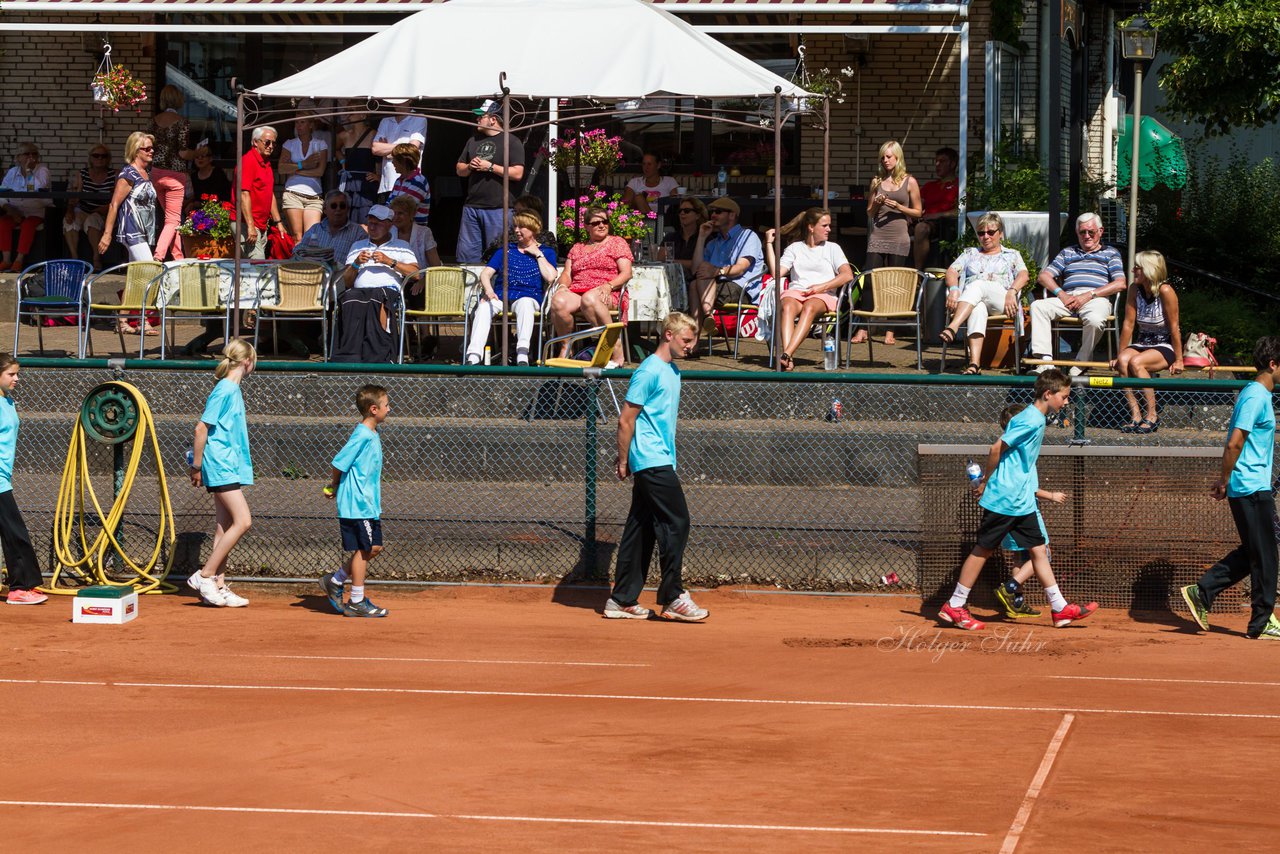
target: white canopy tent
<point>549,49</point>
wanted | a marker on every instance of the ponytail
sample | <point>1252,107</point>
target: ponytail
<point>236,353</point>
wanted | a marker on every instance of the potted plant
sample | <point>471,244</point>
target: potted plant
<point>208,230</point>
<point>116,87</point>
<point>623,221</point>
<point>579,155</point>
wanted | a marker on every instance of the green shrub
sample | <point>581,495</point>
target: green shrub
<point>1236,322</point>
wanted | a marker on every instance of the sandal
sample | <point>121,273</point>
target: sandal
<point>1145,426</point>
<point>947,335</point>
<point>1132,426</point>
<point>972,371</point>
<point>786,362</point>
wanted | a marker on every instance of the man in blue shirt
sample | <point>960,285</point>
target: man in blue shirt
<point>726,253</point>
<point>1080,282</point>
<point>647,450</point>
<point>1246,484</point>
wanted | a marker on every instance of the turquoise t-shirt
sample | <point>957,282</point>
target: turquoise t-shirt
<point>1011,489</point>
<point>655,387</point>
<point>360,461</point>
<point>226,453</point>
<point>8,441</point>
<point>1254,415</point>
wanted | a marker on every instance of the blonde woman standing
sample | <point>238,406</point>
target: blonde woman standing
<point>893,200</point>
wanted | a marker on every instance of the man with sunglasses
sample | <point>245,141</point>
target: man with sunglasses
<point>726,253</point>
<point>332,236</point>
<point>1079,282</point>
<point>259,210</point>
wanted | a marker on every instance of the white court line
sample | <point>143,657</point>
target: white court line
<point>515,818</point>
<point>437,660</point>
<point>552,695</point>
<point>1176,681</point>
<point>1033,791</point>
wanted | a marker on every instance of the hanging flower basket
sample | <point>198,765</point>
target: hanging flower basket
<point>115,86</point>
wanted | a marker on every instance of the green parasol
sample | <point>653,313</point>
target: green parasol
<point>1160,154</point>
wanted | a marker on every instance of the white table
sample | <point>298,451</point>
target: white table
<point>258,282</point>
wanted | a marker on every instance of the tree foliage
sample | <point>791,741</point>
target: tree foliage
<point>1226,72</point>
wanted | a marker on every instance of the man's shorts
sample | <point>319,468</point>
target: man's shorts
<point>360,535</point>
<point>1025,530</point>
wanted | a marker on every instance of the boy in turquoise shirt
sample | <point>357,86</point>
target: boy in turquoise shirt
<point>1007,495</point>
<point>1246,484</point>
<point>647,451</point>
<point>357,486</point>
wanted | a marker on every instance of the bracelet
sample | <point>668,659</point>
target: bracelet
<point>953,287</point>
<point>1055,293</point>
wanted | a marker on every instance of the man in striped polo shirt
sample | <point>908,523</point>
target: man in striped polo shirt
<point>1079,281</point>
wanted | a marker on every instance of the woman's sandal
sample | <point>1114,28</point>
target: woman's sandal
<point>1147,426</point>
<point>1132,427</point>
<point>786,362</point>
<point>947,335</point>
<point>972,371</point>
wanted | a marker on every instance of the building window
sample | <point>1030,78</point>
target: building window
<point>1003,101</point>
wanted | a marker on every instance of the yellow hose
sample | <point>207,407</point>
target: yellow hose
<point>89,563</point>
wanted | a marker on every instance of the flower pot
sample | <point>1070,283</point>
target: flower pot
<point>100,95</point>
<point>579,176</point>
<point>204,246</point>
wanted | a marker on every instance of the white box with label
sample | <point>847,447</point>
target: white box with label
<point>98,609</point>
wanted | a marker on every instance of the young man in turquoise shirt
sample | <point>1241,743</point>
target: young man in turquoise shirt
<point>1007,496</point>
<point>357,486</point>
<point>647,451</point>
<point>1246,484</point>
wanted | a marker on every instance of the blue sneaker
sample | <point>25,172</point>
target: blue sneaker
<point>333,590</point>
<point>363,608</point>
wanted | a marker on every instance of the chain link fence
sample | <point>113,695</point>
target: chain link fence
<point>508,474</point>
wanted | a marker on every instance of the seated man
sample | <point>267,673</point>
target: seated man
<point>1080,282</point>
<point>330,239</point>
<point>375,268</point>
<point>726,253</point>
<point>941,201</point>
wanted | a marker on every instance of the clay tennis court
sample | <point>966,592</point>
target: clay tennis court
<point>516,719</point>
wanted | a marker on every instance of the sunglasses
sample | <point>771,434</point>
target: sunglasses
<point>716,211</point>
<point>1089,232</point>
<point>146,148</point>
<point>686,210</point>
<point>268,143</point>
<point>99,155</point>
<point>341,207</point>
<point>596,222</point>
<point>986,233</point>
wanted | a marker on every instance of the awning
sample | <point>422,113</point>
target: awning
<point>270,6</point>
<point>1161,159</point>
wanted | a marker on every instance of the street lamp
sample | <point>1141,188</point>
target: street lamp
<point>1137,44</point>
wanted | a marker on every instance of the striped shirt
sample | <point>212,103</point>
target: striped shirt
<point>1075,269</point>
<point>414,184</point>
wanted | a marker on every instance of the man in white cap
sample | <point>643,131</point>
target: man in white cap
<point>392,131</point>
<point>486,157</point>
<point>375,268</point>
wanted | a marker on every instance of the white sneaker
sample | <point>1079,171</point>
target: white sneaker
<point>1075,371</point>
<point>614,611</point>
<point>684,610</point>
<point>232,599</point>
<point>1040,369</point>
<point>207,588</point>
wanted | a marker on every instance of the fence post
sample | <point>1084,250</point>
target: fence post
<point>591,452</point>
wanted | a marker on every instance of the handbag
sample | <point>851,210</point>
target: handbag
<point>1197,352</point>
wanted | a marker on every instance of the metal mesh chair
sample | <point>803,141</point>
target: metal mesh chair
<point>895,301</point>
<point>195,295</point>
<point>304,295</point>
<point>444,301</point>
<point>140,295</point>
<point>64,284</point>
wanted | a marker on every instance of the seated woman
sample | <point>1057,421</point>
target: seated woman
<point>643,192</point>
<point>1152,306</point>
<point>691,213</point>
<point>594,280</point>
<point>817,269</point>
<point>423,243</point>
<point>530,266</point>
<point>98,178</point>
<point>984,280</point>
<point>22,215</point>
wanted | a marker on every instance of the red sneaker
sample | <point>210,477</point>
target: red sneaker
<point>961,618</point>
<point>1072,613</point>
<point>25,597</point>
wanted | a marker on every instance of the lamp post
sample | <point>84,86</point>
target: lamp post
<point>1137,44</point>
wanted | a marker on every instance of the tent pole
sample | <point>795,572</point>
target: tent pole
<point>504,238</point>
<point>234,330</point>
<point>826,151</point>
<point>777,226</point>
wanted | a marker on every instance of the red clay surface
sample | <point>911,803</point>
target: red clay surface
<point>502,720</point>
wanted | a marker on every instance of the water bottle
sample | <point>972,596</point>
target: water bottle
<point>836,412</point>
<point>722,183</point>
<point>191,457</point>
<point>974,471</point>
<point>488,355</point>
<point>829,352</point>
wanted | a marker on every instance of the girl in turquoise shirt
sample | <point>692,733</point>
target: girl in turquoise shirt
<point>19,556</point>
<point>220,461</point>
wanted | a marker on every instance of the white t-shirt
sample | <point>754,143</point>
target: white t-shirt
<point>19,183</point>
<point>307,186</point>
<point>375,275</point>
<point>811,265</point>
<point>394,131</point>
<point>421,241</point>
<point>666,185</point>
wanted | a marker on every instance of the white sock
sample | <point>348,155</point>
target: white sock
<point>357,593</point>
<point>340,576</point>
<point>960,598</point>
<point>1056,600</point>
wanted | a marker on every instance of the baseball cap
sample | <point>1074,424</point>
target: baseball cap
<point>381,212</point>
<point>488,108</point>
<point>724,203</point>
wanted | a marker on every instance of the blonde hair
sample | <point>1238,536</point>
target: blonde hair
<point>404,203</point>
<point>529,220</point>
<point>1153,267</point>
<point>237,352</point>
<point>171,98</point>
<point>678,321</point>
<point>899,172</point>
<point>991,218</point>
<point>134,142</point>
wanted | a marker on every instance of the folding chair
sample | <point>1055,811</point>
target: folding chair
<point>64,282</point>
<point>605,344</point>
<point>895,301</point>
<point>444,301</point>
<point>615,316</point>
<point>304,295</point>
<point>140,295</point>
<point>736,306</point>
<point>196,296</point>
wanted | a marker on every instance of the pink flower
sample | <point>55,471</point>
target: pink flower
<point>653,214</point>
<point>613,206</point>
<point>568,223</point>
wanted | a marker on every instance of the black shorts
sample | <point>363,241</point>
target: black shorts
<point>1025,530</point>
<point>360,535</point>
<point>226,487</point>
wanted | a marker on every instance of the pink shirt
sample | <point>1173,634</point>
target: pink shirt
<point>596,266</point>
